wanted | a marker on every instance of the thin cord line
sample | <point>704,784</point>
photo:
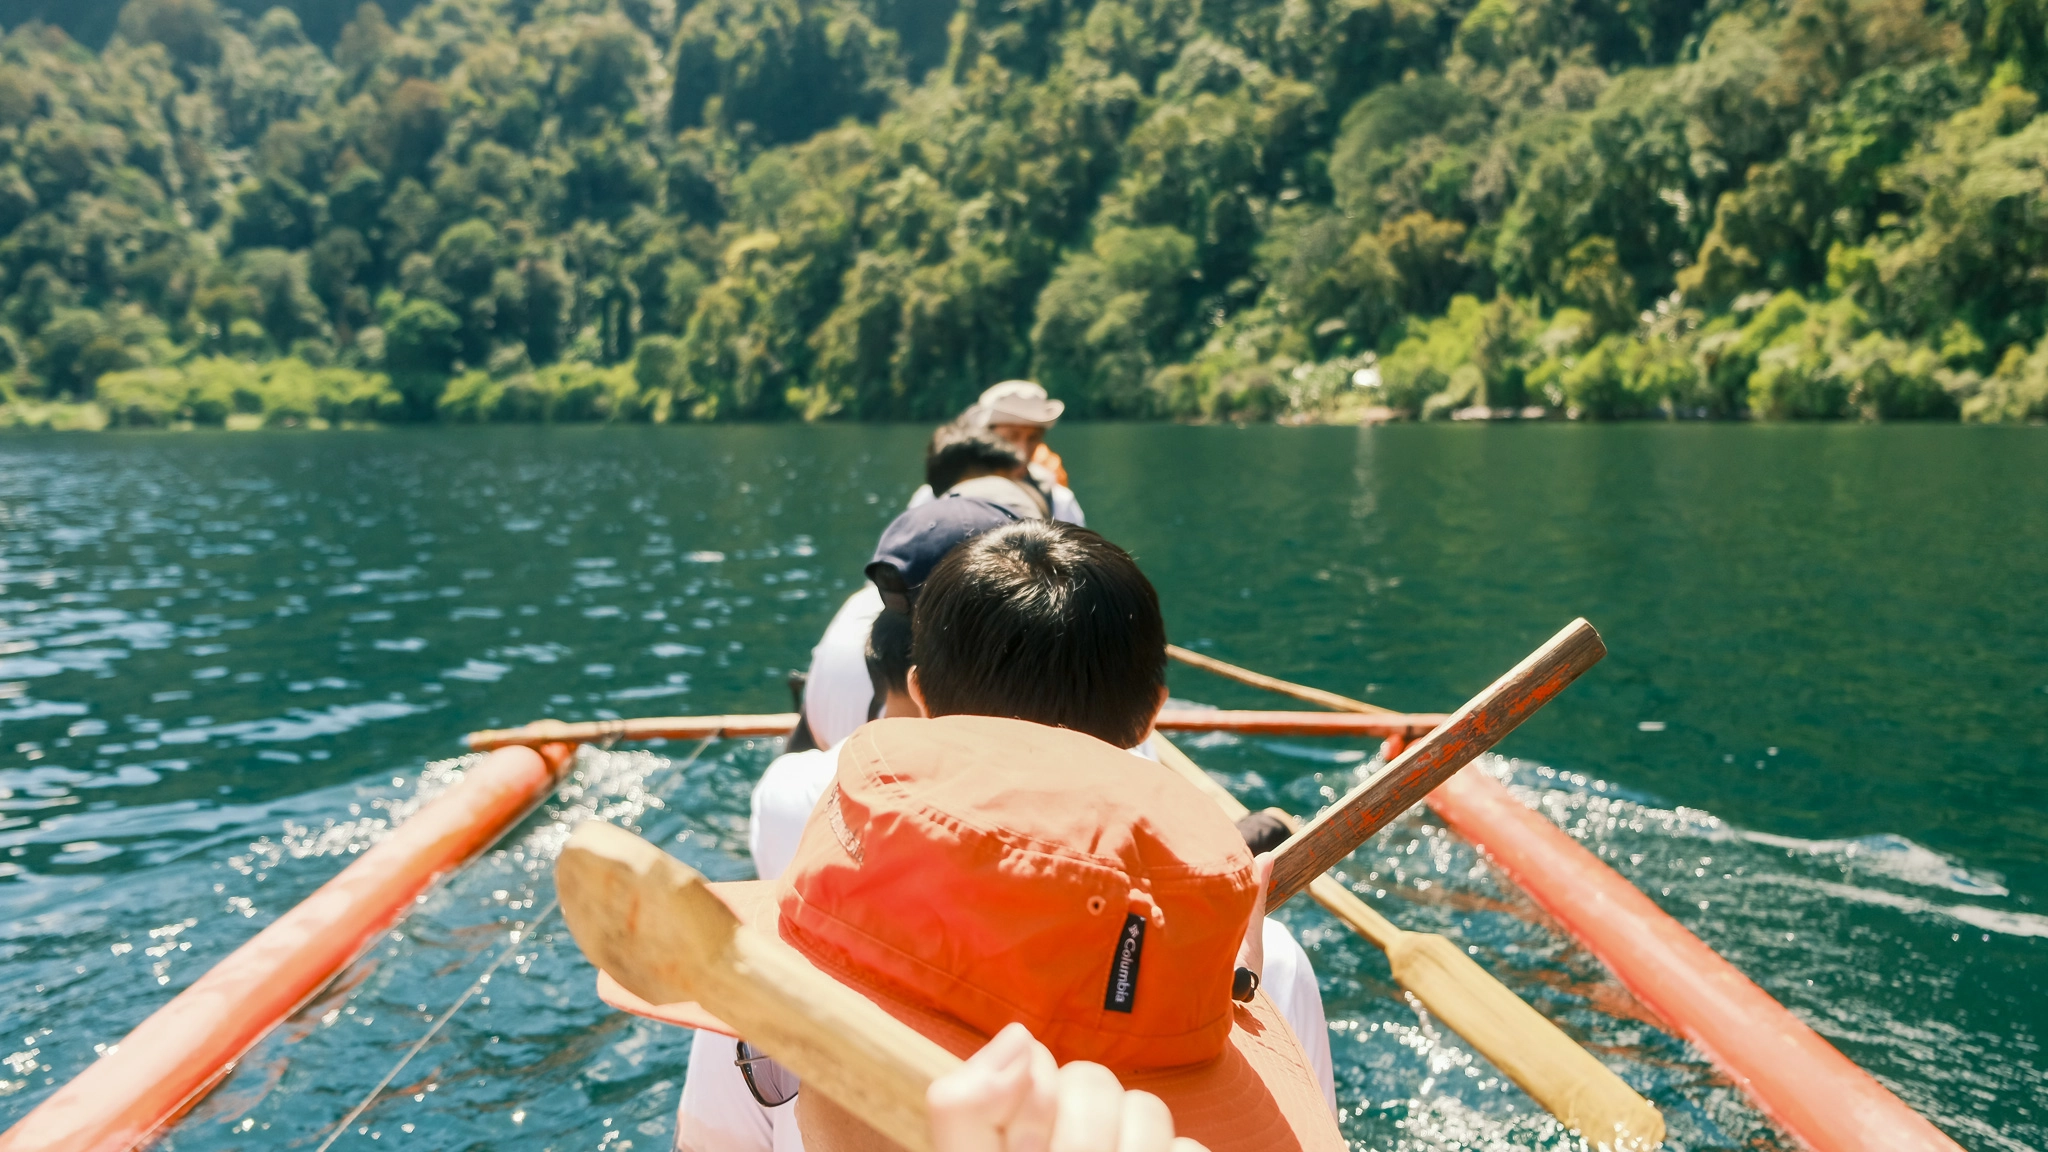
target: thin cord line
<point>476,986</point>
<point>519,936</point>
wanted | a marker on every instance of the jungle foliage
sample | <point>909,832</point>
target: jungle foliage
<point>1198,209</point>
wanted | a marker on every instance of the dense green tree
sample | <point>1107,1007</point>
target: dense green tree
<point>1235,209</point>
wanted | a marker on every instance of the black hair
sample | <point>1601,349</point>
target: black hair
<point>888,656</point>
<point>1263,831</point>
<point>960,451</point>
<point>1046,622</point>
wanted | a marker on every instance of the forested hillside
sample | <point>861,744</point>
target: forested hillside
<point>1199,209</point>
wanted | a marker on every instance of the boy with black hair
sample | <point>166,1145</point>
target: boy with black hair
<point>1017,413</point>
<point>958,452</point>
<point>1033,620</point>
<point>1044,622</point>
<point>967,461</point>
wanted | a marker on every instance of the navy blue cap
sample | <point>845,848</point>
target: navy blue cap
<point>916,541</point>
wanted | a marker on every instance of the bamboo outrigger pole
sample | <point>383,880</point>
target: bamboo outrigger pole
<point>1562,1077</point>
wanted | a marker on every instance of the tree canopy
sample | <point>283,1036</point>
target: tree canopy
<point>868,209</point>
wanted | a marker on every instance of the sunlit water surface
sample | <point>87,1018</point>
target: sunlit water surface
<point>228,663</point>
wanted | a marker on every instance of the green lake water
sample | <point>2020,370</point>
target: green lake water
<point>227,661</point>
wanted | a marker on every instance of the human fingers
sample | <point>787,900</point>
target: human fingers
<point>1147,1125</point>
<point>1091,1104</point>
<point>1031,1125</point>
<point>971,1106</point>
<point>1010,1046</point>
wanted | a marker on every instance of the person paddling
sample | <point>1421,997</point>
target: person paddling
<point>967,873</point>
<point>985,454</point>
<point>1020,412</point>
<point>1047,622</point>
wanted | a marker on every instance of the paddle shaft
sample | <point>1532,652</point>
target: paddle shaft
<point>1325,888</point>
<point>653,923</point>
<point>1300,692</point>
<point>1338,830</point>
<point>1550,1066</point>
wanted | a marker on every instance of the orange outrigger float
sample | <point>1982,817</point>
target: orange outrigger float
<point>1821,1097</point>
<point>182,1051</point>
<point>175,1057</point>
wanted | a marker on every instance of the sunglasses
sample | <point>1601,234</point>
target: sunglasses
<point>771,1083</point>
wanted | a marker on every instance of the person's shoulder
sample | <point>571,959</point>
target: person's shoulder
<point>1066,507</point>
<point>799,769</point>
<point>1286,960</point>
<point>782,803</point>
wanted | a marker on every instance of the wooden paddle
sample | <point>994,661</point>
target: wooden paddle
<point>1338,830</point>
<point>1230,671</point>
<point>649,920</point>
<point>1550,1066</point>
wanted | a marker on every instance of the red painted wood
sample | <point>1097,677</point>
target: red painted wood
<point>1338,830</point>
<point>1801,1081</point>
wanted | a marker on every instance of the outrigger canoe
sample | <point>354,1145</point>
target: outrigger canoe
<point>146,1083</point>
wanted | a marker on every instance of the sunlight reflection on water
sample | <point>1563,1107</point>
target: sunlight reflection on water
<point>524,1063</point>
<point>223,661</point>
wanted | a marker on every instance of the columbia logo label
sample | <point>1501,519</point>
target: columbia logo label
<point>1123,971</point>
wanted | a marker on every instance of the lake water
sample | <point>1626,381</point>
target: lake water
<point>227,661</point>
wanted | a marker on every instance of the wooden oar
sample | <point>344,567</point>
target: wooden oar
<point>649,920</point>
<point>1231,671</point>
<point>1338,830</point>
<point>1550,1066</point>
<point>1397,725</point>
<point>1383,725</point>
<point>1302,692</point>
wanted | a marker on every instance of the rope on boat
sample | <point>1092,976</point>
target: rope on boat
<point>520,935</point>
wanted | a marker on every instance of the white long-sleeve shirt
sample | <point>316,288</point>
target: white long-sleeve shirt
<point>837,691</point>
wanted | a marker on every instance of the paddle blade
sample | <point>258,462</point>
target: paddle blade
<point>641,914</point>
<point>1557,1073</point>
<point>1484,720</point>
<point>656,926</point>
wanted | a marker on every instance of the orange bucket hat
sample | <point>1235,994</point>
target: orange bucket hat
<point>971,871</point>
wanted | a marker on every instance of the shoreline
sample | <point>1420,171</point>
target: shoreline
<point>27,418</point>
